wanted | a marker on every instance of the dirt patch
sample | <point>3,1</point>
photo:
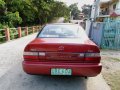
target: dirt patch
<point>113,79</point>
<point>111,68</point>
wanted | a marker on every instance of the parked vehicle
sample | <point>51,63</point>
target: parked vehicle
<point>62,49</point>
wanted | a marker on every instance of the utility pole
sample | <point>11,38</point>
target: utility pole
<point>95,10</point>
<point>97,7</point>
<point>94,14</point>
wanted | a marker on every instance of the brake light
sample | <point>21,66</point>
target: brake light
<point>92,57</point>
<point>41,53</point>
<point>81,55</point>
<point>31,56</point>
<point>31,53</point>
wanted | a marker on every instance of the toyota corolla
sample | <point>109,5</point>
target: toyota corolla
<point>62,49</point>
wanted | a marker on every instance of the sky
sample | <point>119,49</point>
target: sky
<point>80,2</point>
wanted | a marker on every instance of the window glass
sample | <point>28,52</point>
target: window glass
<point>62,31</point>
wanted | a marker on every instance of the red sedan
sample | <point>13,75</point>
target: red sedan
<point>62,49</point>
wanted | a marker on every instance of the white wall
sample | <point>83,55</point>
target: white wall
<point>117,10</point>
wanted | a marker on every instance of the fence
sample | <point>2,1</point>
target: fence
<point>111,35</point>
<point>96,32</point>
<point>13,33</point>
<point>106,34</point>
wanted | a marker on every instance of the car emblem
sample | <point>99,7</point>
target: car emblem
<point>61,48</point>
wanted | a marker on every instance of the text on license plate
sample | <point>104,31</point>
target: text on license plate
<point>61,71</point>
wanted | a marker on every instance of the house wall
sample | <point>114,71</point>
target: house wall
<point>111,9</point>
<point>117,3</point>
<point>117,10</point>
<point>109,5</point>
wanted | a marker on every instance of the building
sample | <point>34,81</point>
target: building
<point>105,25</point>
<point>109,9</point>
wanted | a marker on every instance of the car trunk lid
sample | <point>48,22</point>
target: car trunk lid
<point>61,49</point>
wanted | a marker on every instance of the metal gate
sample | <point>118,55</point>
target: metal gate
<point>111,34</point>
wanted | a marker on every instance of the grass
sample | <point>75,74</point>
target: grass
<point>115,59</point>
<point>110,73</point>
<point>105,49</point>
<point>2,41</point>
<point>113,80</point>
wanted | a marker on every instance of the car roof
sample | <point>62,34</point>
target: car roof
<point>62,24</point>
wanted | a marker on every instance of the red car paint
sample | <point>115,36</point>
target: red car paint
<point>62,53</point>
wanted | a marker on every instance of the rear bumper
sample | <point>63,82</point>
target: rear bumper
<point>44,68</point>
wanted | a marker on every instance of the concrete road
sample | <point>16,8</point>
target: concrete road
<point>12,76</point>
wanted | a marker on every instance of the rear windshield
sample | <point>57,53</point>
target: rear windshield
<point>62,31</point>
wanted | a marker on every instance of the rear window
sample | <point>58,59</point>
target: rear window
<point>62,31</point>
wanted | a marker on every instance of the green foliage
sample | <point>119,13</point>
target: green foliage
<point>74,11</point>
<point>2,4</point>
<point>66,19</point>
<point>86,9</point>
<point>1,26</point>
<point>15,13</point>
<point>13,18</point>
<point>13,34</point>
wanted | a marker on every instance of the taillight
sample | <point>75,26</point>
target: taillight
<point>30,53</point>
<point>92,54</point>
<point>41,53</point>
<point>31,56</point>
<point>92,57</point>
<point>81,55</point>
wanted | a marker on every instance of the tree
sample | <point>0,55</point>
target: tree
<point>30,12</point>
<point>25,9</point>
<point>42,9</point>
<point>13,18</point>
<point>86,9</point>
<point>2,10</point>
<point>59,9</point>
<point>2,6</point>
<point>74,11</point>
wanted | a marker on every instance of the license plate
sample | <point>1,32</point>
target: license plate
<point>61,71</point>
